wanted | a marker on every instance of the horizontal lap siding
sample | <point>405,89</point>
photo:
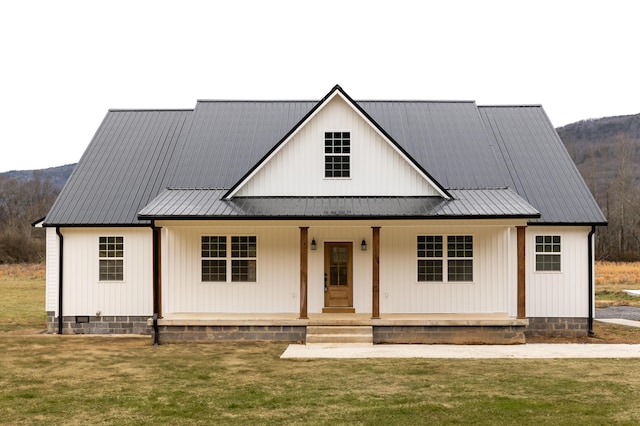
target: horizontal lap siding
<point>84,294</point>
<point>492,271</point>
<point>564,293</point>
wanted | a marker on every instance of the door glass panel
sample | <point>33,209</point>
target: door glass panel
<point>334,276</point>
<point>338,265</point>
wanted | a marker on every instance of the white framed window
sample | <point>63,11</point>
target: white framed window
<point>460,258</point>
<point>228,258</point>
<point>214,258</point>
<point>337,154</point>
<point>243,258</point>
<point>548,253</point>
<point>435,263</point>
<point>430,258</point>
<point>111,258</point>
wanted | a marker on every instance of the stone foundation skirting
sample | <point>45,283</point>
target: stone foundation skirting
<point>455,335</point>
<point>390,334</point>
<point>558,326</point>
<point>106,324</point>
<point>207,333</point>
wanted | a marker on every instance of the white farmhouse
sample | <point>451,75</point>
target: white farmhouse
<point>397,221</point>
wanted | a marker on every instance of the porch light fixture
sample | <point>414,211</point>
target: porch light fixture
<point>363,245</point>
<point>314,246</point>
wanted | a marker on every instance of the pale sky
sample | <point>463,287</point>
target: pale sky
<point>65,63</point>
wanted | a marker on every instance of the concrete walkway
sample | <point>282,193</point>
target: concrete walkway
<point>529,350</point>
<point>620,321</point>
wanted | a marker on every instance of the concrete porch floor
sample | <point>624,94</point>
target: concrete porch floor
<point>291,319</point>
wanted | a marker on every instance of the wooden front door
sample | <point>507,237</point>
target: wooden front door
<point>338,277</point>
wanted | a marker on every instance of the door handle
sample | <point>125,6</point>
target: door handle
<point>326,289</point>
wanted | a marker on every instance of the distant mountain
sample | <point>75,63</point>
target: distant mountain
<point>602,148</point>
<point>56,175</point>
<point>607,153</point>
<point>600,129</point>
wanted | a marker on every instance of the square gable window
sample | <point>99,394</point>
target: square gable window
<point>337,153</point>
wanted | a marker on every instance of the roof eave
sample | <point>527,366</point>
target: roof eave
<point>339,217</point>
<point>605,223</point>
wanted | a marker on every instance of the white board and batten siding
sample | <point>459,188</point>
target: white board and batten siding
<point>376,167</point>
<point>53,266</point>
<point>278,270</point>
<point>83,292</point>
<point>549,294</point>
<point>494,267</point>
<point>564,293</point>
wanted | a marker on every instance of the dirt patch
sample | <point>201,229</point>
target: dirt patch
<point>603,333</point>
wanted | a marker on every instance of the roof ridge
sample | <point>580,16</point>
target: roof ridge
<point>512,106</point>
<point>178,188</point>
<point>151,109</point>
<point>433,101</point>
<point>483,188</point>
<point>266,101</point>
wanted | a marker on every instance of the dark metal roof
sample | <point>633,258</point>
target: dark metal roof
<point>124,167</point>
<point>209,204</point>
<point>135,155</point>
<point>539,166</point>
<point>228,137</point>
<point>446,138</point>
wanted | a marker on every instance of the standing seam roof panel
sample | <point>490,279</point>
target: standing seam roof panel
<point>111,182</point>
<point>135,154</point>
<point>548,177</point>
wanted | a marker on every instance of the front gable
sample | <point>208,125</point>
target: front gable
<point>337,150</point>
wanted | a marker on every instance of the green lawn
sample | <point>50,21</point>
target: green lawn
<point>116,380</point>
<point>79,380</point>
<point>22,290</point>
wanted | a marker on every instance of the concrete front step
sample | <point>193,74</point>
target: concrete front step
<point>339,334</point>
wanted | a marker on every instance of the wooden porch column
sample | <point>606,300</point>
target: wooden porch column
<point>522,231</point>
<point>304,270</point>
<point>375,253</point>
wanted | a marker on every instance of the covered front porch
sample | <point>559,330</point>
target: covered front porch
<point>286,299</point>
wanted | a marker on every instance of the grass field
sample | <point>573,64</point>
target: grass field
<point>78,380</point>
<point>22,298</point>
<point>614,277</point>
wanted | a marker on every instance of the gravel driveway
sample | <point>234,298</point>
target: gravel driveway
<point>625,312</point>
